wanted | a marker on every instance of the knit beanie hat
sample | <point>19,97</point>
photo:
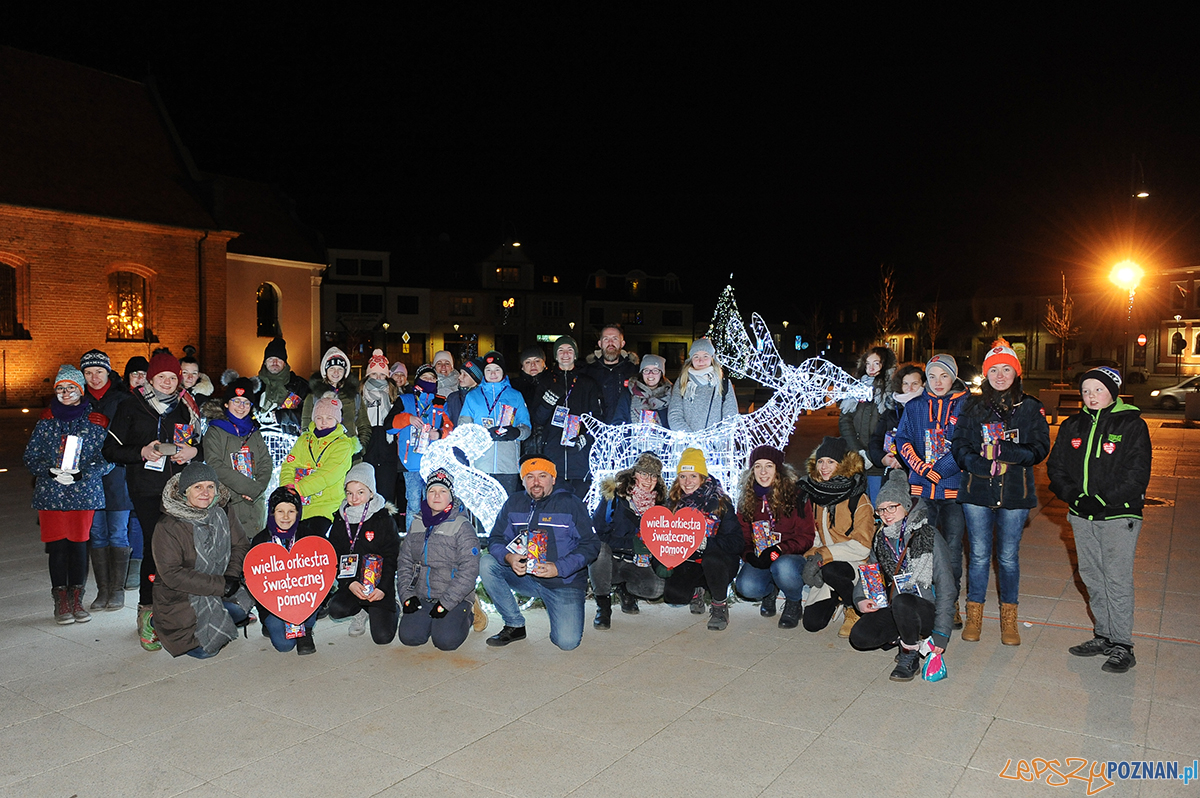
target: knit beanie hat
<point>163,361</point>
<point>94,357</point>
<point>196,471</point>
<point>399,368</point>
<point>236,386</point>
<point>136,363</point>
<point>569,341</point>
<point>440,477</point>
<point>1108,376</point>
<point>765,452</point>
<point>364,473</point>
<point>946,363</point>
<point>692,461</point>
<point>276,348</point>
<point>1001,354</point>
<point>474,367</point>
<point>494,358</point>
<point>429,383</point>
<point>68,373</point>
<point>895,489</point>
<point>535,462</point>
<point>443,355</point>
<point>329,403</point>
<point>653,362</point>
<point>702,345</point>
<point>334,357</point>
<point>532,351</point>
<point>833,448</point>
<point>377,365</point>
<point>285,495</point>
<point>648,463</point>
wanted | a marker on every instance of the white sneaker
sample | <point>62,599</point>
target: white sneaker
<point>358,624</point>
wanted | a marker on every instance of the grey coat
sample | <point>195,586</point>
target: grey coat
<point>441,565</point>
<point>703,409</point>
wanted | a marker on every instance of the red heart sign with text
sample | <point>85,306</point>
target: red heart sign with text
<point>673,537</point>
<point>291,584</point>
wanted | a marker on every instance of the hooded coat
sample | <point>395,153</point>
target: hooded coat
<point>327,459</point>
<point>222,450</point>
<point>482,406</point>
<point>1104,454</point>
<point>1026,443</point>
<point>923,442</point>
<point>439,564</point>
<point>354,410</point>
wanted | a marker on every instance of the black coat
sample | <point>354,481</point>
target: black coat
<point>116,494</point>
<point>1104,454</point>
<point>584,397</point>
<point>137,424</point>
<point>612,379</point>
<point>1014,489</point>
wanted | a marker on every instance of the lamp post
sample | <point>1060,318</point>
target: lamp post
<point>1126,275</point>
<point>1177,350</point>
<point>920,318</point>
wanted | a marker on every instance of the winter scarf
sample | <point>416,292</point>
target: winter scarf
<point>63,412</point>
<point>431,518</point>
<point>284,537</point>
<point>379,401</point>
<point>697,377</point>
<point>642,500</point>
<point>651,398</point>
<point>275,386</point>
<point>239,427</point>
<point>882,399</point>
<point>915,532</point>
<point>708,495</point>
<point>835,490</point>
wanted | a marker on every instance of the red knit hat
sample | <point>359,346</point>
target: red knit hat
<point>1001,354</point>
<point>163,361</point>
<point>378,364</point>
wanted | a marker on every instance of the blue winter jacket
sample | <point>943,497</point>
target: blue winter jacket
<point>923,441</point>
<point>426,407</point>
<point>482,406</point>
<point>571,543</point>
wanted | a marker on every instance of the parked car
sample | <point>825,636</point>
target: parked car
<point>1174,397</point>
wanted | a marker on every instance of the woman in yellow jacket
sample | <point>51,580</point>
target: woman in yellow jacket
<point>318,462</point>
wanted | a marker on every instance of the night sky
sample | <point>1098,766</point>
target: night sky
<point>798,151</point>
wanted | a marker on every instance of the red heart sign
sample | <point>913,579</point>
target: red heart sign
<point>291,584</point>
<point>672,537</point>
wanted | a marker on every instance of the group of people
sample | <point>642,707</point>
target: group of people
<point>872,533</point>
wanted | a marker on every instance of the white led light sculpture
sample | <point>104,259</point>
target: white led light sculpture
<point>482,494</point>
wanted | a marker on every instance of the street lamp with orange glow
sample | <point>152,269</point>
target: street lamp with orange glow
<point>1126,275</point>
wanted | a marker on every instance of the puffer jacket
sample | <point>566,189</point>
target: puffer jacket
<point>932,577</point>
<point>177,578</point>
<point>571,542</point>
<point>923,441</point>
<point>1025,442</point>
<point>329,458</point>
<point>220,447</point>
<point>137,424</point>
<point>482,406</point>
<point>614,520</point>
<point>613,379</point>
<point>1104,454</point>
<point>857,425</point>
<point>439,565</point>
<point>354,409</point>
<point>376,535</point>
<point>407,407</point>
<point>703,408</point>
<point>42,453</point>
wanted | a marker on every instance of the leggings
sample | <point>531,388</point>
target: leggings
<point>908,617</point>
<point>839,578</point>
<point>715,571</point>
<point>68,562</point>
<point>383,614</point>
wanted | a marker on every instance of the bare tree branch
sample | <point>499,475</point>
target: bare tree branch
<point>933,326</point>
<point>1058,322</point>
<point>888,313</point>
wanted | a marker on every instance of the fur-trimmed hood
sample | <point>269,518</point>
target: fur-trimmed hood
<point>619,485</point>
<point>175,503</point>
<point>850,465</point>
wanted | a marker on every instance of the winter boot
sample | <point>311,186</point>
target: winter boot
<point>480,619</point>
<point>100,570</point>
<point>718,617</point>
<point>792,612</point>
<point>974,623</point>
<point>306,645</point>
<point>118,562</point>
<point>62,606</point>
<point>1009,635</point>
<point>133,576</point>
<point>81,615</point>
<point>767,610</point>
<point>603,619</point>
<point>629,604</point>
<point>958,623</point>
<point>848,623</point>
<point>698,605</point>
<point>145,623</point>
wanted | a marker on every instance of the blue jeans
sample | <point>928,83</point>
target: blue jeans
<point>275,627</point>
<point>946,515</point>
<point>564,603</point>
<point>110,528</point>
<point>873,486</point>
<point>414,491</point>
<point>135,535</point>
<point>237,613</point>
<point>1008,525</point>
<point>786,573</point>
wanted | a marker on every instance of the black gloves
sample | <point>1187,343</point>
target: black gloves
<point>411,606</point>
<point>812,571</point>
<point>232,583</point>
<point>509,434</point>
<point>1088,506</point>
<point>438,611</point>
<point>772,554</point>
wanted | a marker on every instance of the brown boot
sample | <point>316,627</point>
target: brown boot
<point>848,623</point>
<point>958,623</point>
<point>974,623</point>
<point>1009,635</point>
<point>479,617</point>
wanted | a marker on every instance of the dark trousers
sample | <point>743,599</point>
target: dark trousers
<point>149,510</point>
<point>839,578</point>
<point>908,617</point>
<point>448,632</point>
<point>383,614</point>
<point>714,572</point>
<point>68,562</point>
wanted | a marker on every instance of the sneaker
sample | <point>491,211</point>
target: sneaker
<point>1097,645</point>
<point>306,645</point>
<point>767,610</point>
<point>792,612</point>
<point>1120,659</point>
<point>146,634</point>
<point>507,635</point>
<point>718,617</point>
<point>698,605</point>
<point>907,665</point>
<point>358,624</point>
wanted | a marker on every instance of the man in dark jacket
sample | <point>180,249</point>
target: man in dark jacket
<point>1100,467</point>
<point>533,363</point>
<point>540,546</point>
<point>280,400</point>
<point>566,394</point>
<point>612,368</point>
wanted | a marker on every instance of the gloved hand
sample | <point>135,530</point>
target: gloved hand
<point>232,583</point>
<point>772,554</point>
<point>61,477</point>
<point>867,464</point>
<point>812,571</point>
<point>551,398</point>
<point>411,606</point>
<point>505,433</point>
<point>438,611</point>
<point>581,442</point>
<point>1088,506</point>
<point>757,560</point>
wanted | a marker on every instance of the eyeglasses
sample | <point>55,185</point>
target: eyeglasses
<point>65,389</point>
<point>239,401</point>
<point>887,508</point>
